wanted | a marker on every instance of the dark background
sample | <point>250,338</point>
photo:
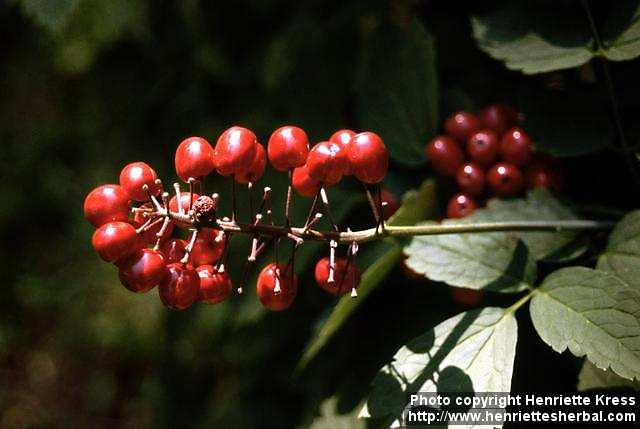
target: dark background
<point>88,86</point>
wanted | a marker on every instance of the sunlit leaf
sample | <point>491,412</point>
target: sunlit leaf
<point>471,352</point>
<point>590,313</point>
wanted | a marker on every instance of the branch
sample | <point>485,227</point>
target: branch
<point>410,231</point>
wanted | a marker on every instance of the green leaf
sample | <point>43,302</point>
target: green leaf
<point>397,90</point>
<point>416,205</point>
<point>494,261</point>
<point>51,14</point>
<point>592,377</point>
<point>473,351</point>
<point>532,38</point>
<point>543,37</point>
<point>622,31</point>
<point>330,418</point>
<point>622,255</point>
<point>591,313</point>
<point>539,204</point>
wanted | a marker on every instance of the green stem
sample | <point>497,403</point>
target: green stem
<point>522,301</point>
<point>615,106</point>
<point>410,231</point>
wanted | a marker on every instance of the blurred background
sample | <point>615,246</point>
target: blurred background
<point>87,86</point>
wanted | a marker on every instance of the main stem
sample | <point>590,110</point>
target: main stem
<point>410,231</point>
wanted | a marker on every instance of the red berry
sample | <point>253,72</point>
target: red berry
<point>483,147</point>
<point>256,168</point>
<point>327,163</point>
<point>143,270</point>
<point>215,287</point>
<point>194,158</point>
<point>173,249</point>
<point>269,277</point>
<point>344,138</point>
<point>505,180</point>
<point>186,200</point>
<point>149,236</point>
<point>516,147</point>
<point>134,176</point>
<point>303,183</point>
<point>445,155</point>
<point>391,203</point>
<point>115,240</point>
<point>288,148</point>
<point>460,205</point>
<point>235,150</point>
<point>545,172</point>
<point>346,276</point>
<point>106,203</point>
<point>461,125</point>
<point>206,250</point>
<point>470,179</point>
<point>498,117</point>
<point>368,157</point>
<point>180,287</point>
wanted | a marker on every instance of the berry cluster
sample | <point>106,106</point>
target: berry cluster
<point>138,223</point>
<point>489,154</point>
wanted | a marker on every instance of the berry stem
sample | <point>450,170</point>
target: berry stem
<point>372,203</point>
<point>287,207</point>
<point>325,200</point>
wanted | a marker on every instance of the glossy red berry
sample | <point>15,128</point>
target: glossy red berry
<point>346,276</point>
<point>269,278</point>
<point>545,172</point>
<point>327,163</point>
<point>461,205</point>
<point>445,155</point>
<point>115,240</point>
<point>470,179</point>
<point>344,138</point>
<point>483,147</point>
<point>143,270</point>
<point>461,125</point>
<point>256,168</point>
<point>288,148</point>
<point>207,249</point>
<point>235,150</point>
<point>194,158</point>
<point>173,249</point>
<point>505,180</point>
<point>107,203</point>
<point>516,147</point>
<point>303,183</point>
<point>180,287</point>
<point>215,287</point>
<point>134,176</point>
<point>149,236</point>
<point>186,200</point>
<point>499,117</point>
<point>368,157</point>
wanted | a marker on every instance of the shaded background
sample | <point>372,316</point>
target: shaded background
<point>88,86</point>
